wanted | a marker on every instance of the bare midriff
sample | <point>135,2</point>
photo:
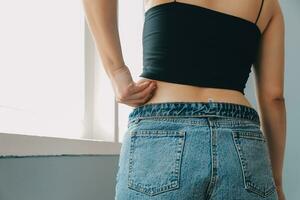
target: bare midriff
<point>174,92</point>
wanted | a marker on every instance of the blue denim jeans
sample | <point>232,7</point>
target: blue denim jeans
<point>194,150</point>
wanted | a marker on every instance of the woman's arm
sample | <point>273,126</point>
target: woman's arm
<point>269,78</point>
<point>101,16</point>
<point>102,19</point>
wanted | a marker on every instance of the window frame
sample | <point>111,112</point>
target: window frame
<point>101,143</point>
<point>96,141</point>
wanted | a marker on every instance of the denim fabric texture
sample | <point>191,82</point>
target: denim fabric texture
<point>194,150</point>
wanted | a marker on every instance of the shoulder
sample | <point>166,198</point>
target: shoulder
<point>273,15</point>
<point>276,8</point>
<point>277,19</point>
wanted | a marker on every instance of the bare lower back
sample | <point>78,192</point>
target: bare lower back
<point>173,92</point>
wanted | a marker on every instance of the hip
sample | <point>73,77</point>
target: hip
<point>194,150</point>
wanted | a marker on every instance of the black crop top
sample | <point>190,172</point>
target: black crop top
<point>193,45</point>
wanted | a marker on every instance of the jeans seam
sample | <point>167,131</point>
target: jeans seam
<point>213,178</point>
<point>173,119</point>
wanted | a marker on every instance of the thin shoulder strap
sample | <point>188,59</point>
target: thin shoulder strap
<point>262,3</point>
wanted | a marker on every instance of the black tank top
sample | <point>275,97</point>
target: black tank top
<point>193,45</point>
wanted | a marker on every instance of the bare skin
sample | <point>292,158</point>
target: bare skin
<point>101,16</point>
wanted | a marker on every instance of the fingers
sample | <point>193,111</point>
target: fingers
<point>134,88</point>
<point>140,98</point>
<point>138,93</point>
<point>142,93</point>
<point>138,102</point>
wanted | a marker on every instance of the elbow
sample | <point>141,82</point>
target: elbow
<point>276,95</point>
<point>278,98</point>
<point>273,97</point>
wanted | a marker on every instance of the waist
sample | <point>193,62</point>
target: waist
<point>174,92</point>
<point>185,75</point>
<point>224,111</point>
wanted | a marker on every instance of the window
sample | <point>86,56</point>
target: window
<point>131,19</point>
<point>42,68</point>
<point>52,83</point>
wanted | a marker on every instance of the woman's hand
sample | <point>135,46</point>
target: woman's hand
<point>281,195</point>
<point>128,92</point>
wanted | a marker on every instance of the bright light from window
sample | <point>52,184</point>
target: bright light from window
<point>131,18</point>
<point>42,67</point>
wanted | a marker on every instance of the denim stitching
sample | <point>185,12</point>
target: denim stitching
<point>246,174</point>
<point>240,159</point>
<point>216,123</point>
<point>213,178</point>
<point>216,113</point>
<point>175,184</point>
<point>196,109</point>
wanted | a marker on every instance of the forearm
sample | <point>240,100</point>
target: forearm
<point>101,16</point>
<point>273,117</point>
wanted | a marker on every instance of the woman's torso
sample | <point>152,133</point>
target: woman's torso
<point>174,92</point>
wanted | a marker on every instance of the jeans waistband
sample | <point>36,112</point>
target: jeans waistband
<point>195,109</point>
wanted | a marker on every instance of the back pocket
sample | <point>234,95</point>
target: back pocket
<point>253,152</point>
<point>155,160</point>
